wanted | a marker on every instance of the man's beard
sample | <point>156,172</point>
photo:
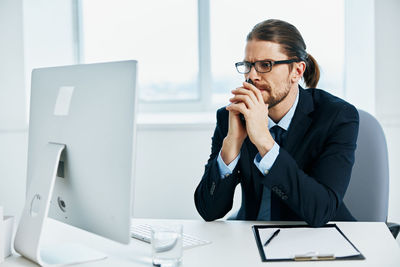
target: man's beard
<point>274,100</point>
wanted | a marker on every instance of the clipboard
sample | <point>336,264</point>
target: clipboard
<point>304,243</point>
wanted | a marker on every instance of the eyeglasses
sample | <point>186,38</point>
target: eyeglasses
<point>262,66</point>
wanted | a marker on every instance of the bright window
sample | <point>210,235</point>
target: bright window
<point>161,35</point>
<point>187,48</point>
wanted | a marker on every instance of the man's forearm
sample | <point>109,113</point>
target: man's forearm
<point>230,149</point>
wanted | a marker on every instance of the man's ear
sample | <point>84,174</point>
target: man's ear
<point>298,71</point>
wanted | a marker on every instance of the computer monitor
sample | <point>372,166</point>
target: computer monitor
<point>80,156</point>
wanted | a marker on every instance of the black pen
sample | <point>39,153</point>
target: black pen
<point>272,237</point>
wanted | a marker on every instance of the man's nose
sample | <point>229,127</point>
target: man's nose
<point>253,74</point>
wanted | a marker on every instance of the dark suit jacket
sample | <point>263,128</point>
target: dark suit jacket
<point>310,176</point>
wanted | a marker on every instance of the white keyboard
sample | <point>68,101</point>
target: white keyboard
<point>143,233</point>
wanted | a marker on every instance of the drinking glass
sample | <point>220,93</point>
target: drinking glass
<point>166,245</point>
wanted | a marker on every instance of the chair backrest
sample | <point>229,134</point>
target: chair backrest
<point>367,196</point>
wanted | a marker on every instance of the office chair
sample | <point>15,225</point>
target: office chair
<point>367,195</point>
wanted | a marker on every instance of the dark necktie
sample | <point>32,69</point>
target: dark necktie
<point>278,134</point>
<point>264,213</point>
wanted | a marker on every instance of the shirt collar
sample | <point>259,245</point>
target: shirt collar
<point>284,123</point>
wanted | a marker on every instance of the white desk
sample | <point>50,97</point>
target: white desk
<point>233,244</point>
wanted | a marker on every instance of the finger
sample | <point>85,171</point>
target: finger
<point>243,91</point>
<point>255,91</point>
<point>243,98</point>
<point>238,107</point>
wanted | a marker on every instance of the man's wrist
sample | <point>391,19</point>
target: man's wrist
<point>230,149</point>
<point>265,146</point>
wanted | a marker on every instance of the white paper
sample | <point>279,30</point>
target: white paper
<point>291,242</point>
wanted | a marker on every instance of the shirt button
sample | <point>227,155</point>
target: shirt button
<point>238,171</point>
<point>266,172</point>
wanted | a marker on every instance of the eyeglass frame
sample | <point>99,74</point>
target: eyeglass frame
<point>272,62</point>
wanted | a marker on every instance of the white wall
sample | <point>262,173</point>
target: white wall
<point>13,115</point>
<point>169,164</point>
<point>13,158</point>
<point>359,54</point>
<point>387,93</point>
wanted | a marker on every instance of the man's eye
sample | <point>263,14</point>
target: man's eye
<point>265,65</point>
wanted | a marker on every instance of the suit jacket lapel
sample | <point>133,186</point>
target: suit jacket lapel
<point>300,122</point>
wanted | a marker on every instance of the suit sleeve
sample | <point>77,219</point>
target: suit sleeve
<point>316,195</point>
<point>214,196</point>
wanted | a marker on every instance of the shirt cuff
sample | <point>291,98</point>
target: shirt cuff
<point>226,170</point>
<point>265,164</point>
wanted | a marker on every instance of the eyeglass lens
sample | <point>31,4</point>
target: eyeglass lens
<point>260,66</point>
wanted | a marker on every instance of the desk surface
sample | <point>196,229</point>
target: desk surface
<point>233,244</point>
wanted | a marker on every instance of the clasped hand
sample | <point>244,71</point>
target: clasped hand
<point>248,100</point>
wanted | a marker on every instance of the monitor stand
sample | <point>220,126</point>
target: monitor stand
<point>30,229</point>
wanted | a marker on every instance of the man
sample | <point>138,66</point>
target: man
<point>291,149</point>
